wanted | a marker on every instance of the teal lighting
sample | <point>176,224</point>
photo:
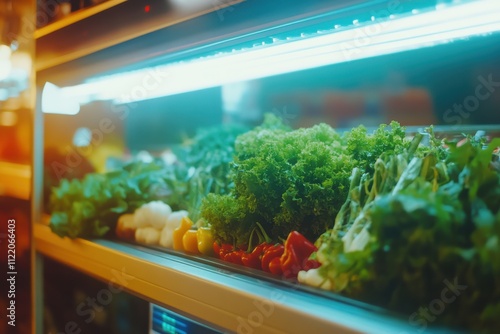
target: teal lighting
<point>380,36</point>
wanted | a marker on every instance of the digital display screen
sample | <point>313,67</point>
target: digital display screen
<point>164,321</point>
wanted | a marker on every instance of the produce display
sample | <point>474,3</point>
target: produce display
<point>383,217</point>
<point>90,207</point>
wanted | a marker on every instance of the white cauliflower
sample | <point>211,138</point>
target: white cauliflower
<point>152,214</point>
<point>147,235</point>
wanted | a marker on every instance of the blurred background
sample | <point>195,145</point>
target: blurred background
<point>16,114</point>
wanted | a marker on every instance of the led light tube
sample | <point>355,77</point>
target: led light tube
<point>381,36</point>
<point>54,101</point>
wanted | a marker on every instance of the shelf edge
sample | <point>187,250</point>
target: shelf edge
<point>75,17</point>
<point>227,300</point>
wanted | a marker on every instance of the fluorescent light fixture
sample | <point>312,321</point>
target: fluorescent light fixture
<point>380,36</point>
<point>54,101</point>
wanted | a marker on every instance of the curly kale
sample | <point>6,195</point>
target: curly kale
<point>294,179</point>
<point>291,180</point>
<point>365,148</point>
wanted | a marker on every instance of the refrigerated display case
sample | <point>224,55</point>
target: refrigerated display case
<point>157,83</point>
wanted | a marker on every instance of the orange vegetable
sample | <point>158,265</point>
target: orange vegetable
<point>205,241</point>
<point>179,232</point>
<point>190,241</point>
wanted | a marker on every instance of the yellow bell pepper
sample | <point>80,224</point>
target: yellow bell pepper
<point>190,241</point>
<point>205,241</point>
<point>185,225</point>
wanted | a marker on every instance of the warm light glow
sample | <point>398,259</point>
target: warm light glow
<point>8,118</point>
<point>22,61</point>
<point>380,36</point>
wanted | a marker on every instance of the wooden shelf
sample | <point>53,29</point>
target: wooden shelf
<point>76,17</point>
<point>226,299</point>
<point>15,180</point>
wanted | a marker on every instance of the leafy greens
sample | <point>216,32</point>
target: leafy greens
<point>438,221</point>
<point>289,180</point>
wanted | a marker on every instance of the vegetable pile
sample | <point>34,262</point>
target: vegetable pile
<point>293,180</point>
<point>379,217</point>
<point>91,207</point>
<point>415,226</point>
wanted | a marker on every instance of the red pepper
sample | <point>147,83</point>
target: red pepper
<point>228,253</point>
<point>311,264</point>
<point>275,266</point>
<point>253,259</point>
<point>272,252</point>
<point>250,261</point>
<point>234,257</point>
<point>296,254</point>
<point>290,263</point>
<point>217,249</point>
<point>223,249</point>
